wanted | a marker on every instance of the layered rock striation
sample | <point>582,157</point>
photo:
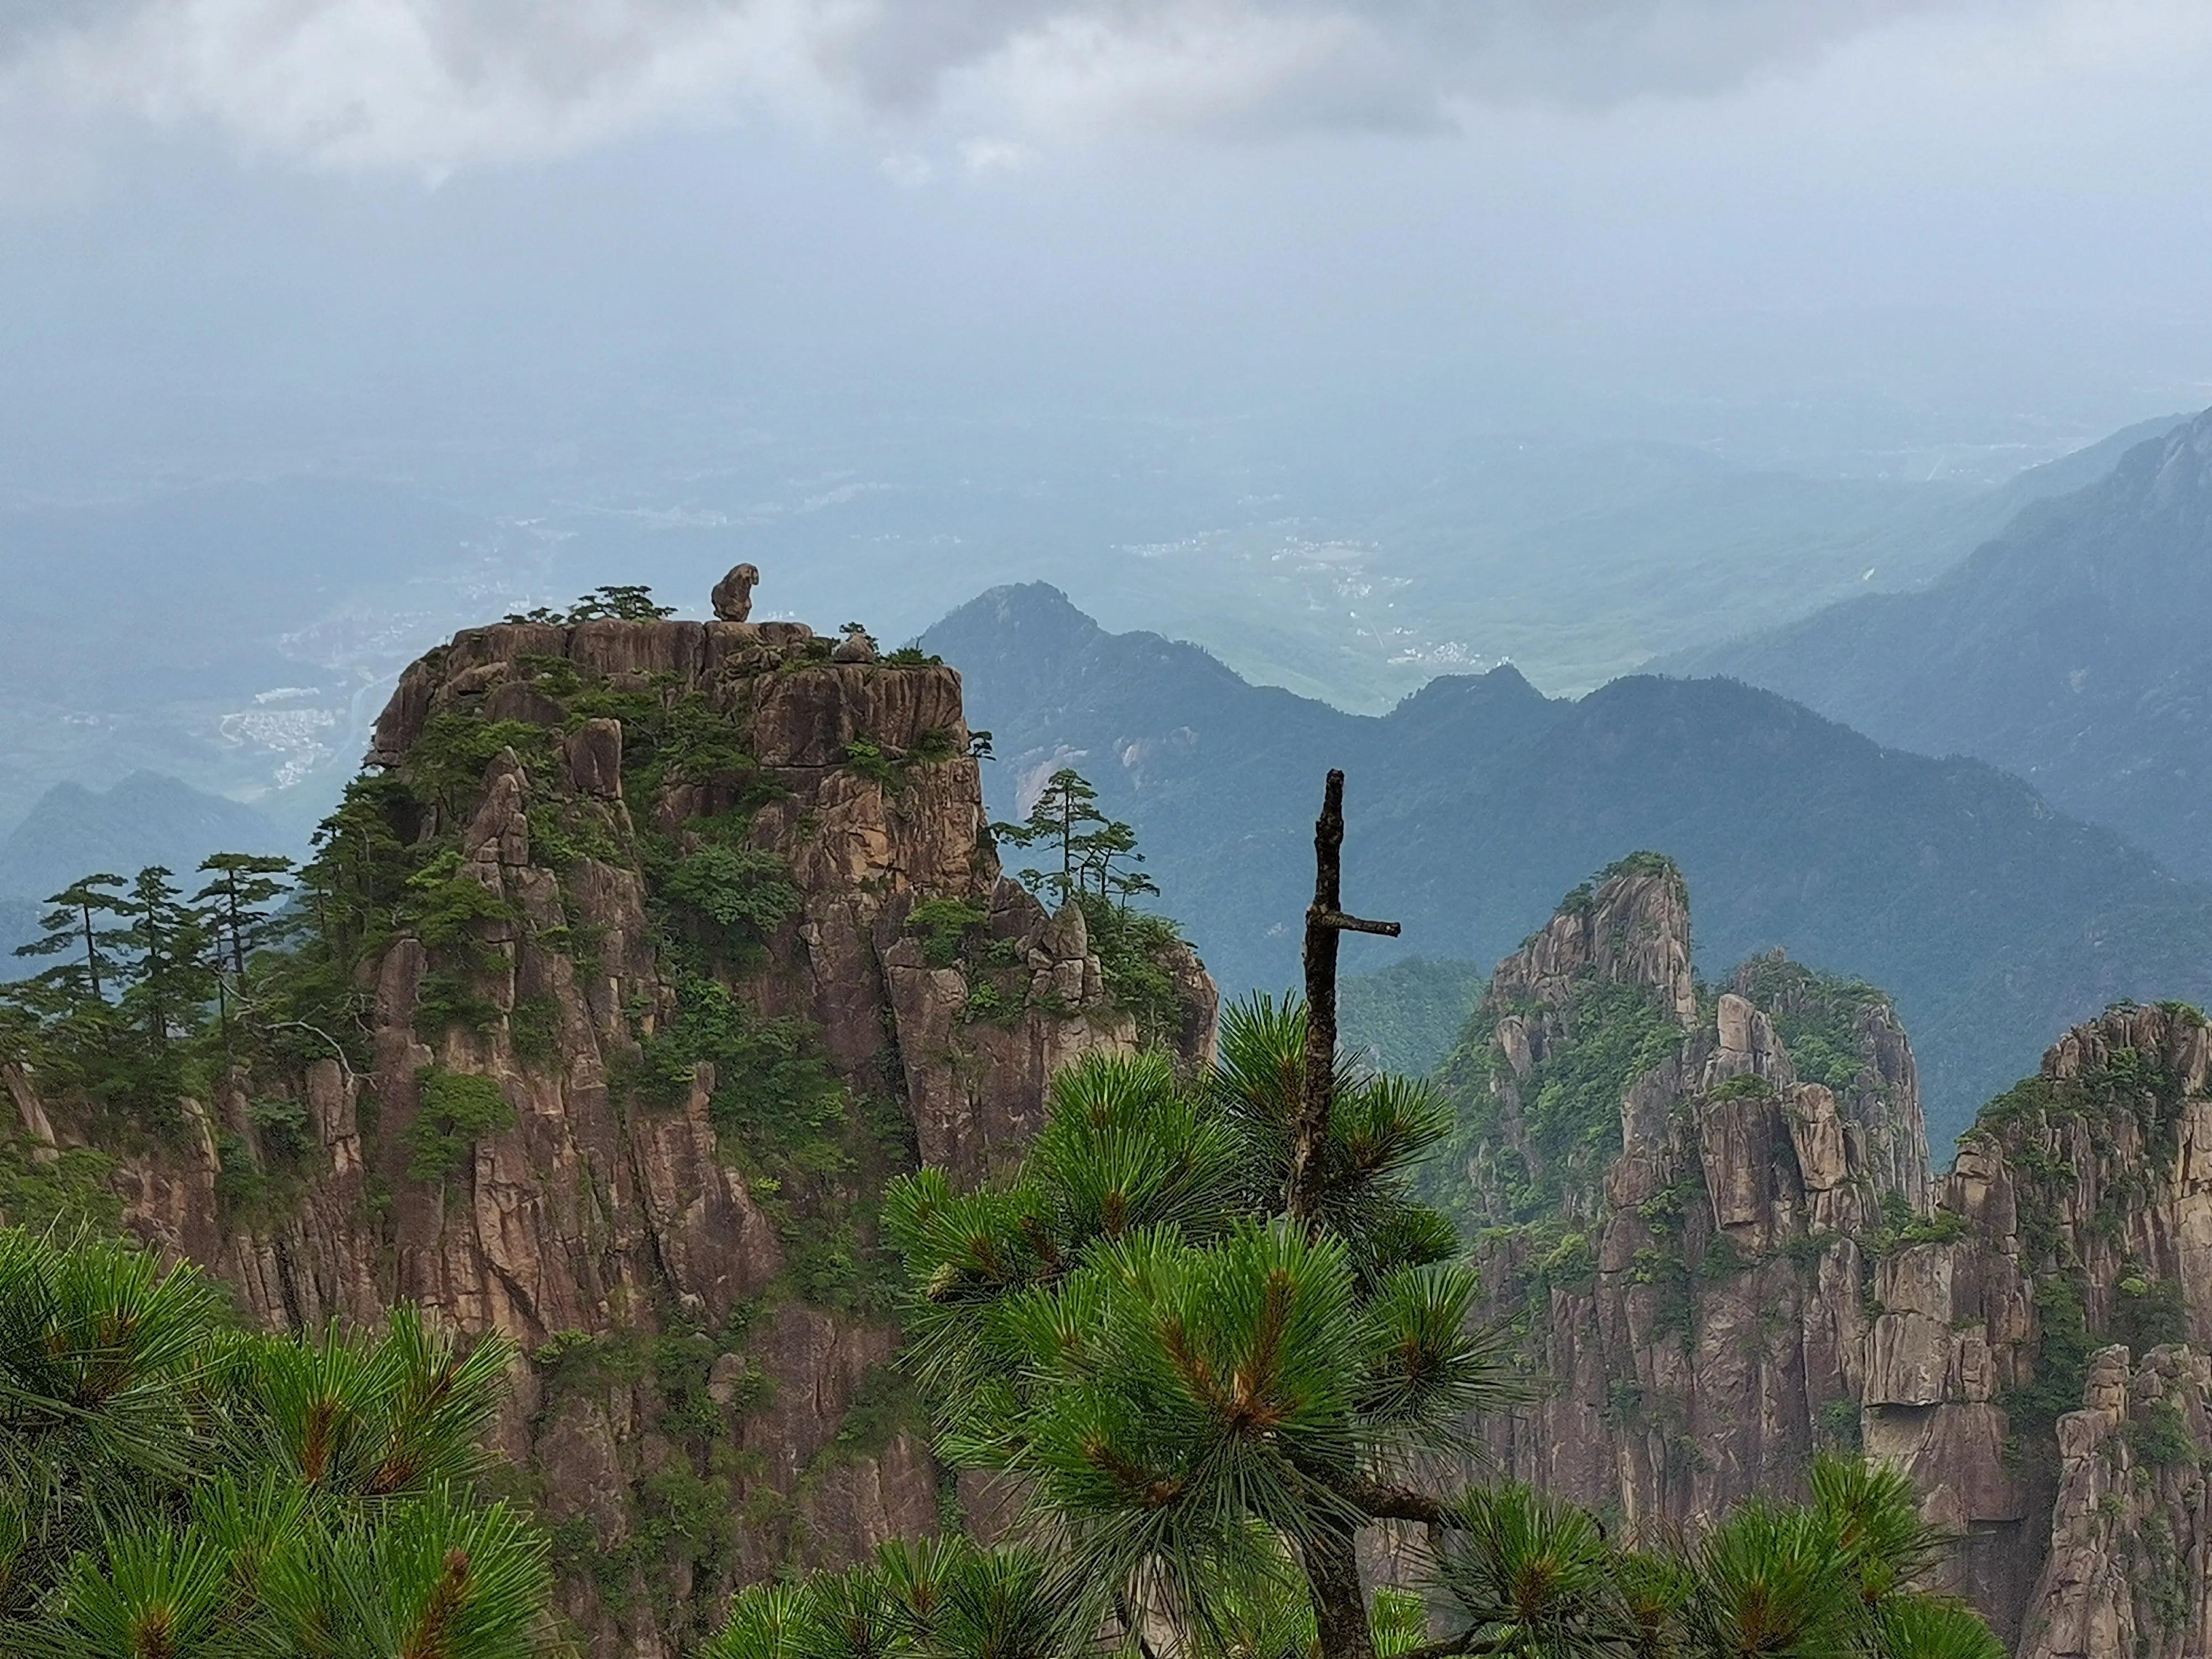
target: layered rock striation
<point>658,947</point>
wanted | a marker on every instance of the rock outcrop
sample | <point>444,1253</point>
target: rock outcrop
<point>2079,1210</point>
<point>682,940</point>
<point>1696,1295</point>
<point>1752,1262</point>
<point>2128,1571</point>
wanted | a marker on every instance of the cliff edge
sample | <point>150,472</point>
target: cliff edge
<point>644,953</point>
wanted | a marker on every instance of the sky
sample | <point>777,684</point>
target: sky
<point>516,250</point>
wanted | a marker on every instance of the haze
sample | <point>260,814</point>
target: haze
<point>1356,342</point>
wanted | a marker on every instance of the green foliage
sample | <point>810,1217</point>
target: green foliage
<point>870,760</point>
<point>445,766</point>
<point>62,1194</point>
<point>740,895</point>
<point>241,901</point>
<point>2159,1436</point>
<point>281,1125</point>
<point>2061,1367</point>
<point>1200,1393</point>
<point>884,1405</point>
<point>2129,1085</point>
<point>1097,855</point>
<point>116,1017</point>
<point>2149,1313</point>
<point>443,905</point>
<point>943,924</point>
<point>457,1109</point>
<point>2163,1575</point>
<point>1131,945</point>
<point>1899,1229</point>
<point>177,1485</point>
<point>83,928</point>
<point>1840,1426</point>
<point>1747,1086</point>
<point>533,1027</point>
<point>810,1153</point>
<point>1609,1035</point>
<point>1817,1016</point>
<point>623,603</point>
<point>684,739</point>
<point>1131,1323</point>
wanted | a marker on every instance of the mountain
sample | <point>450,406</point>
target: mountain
<point>144,820</point>
<point>269,616</point>
<point>1406,1016</point>
<point>2070,650</point>
<point>1994,921</point>
<point>653,983</point>
<point>1712,1221</point>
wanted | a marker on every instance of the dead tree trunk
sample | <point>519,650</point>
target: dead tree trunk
<point>1325,920</point>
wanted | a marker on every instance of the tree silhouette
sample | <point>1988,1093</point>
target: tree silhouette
<point>75,924</point>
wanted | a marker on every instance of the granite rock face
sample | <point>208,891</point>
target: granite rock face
<point>2080,1210</point>
<point>1764,1266</point>
<point>696,1411</point>
<point>1699,1308</point>
<point>2126,1570</point>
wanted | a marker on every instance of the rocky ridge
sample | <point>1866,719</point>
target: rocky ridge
<point>701,937</point>
<point>1760,1264</point>
<point>1695,1291</point>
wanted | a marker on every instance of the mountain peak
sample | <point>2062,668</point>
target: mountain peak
<point>1630,925</point>
<point>143,818</point>
<point>1037,612</point>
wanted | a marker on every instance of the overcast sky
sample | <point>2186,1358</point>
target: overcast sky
<point>499,235</point>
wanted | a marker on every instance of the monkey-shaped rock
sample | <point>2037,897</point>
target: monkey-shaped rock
<point>734,594</point>
<point>856,647</point>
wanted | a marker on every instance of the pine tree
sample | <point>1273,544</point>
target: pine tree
<point>1210,1331</point>
<point>1065,819</point>
<point>175,1486</point>
<point>240,905</point>
<point>625,602</point>
<point>357,875</point>
<point>82,921</point>
<point>1110,844</point>
<point>168,980</point>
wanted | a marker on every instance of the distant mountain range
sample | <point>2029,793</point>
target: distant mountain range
<point>144,820</point>
<point>1477,802</point>
<point>2072,649</point>
<point>266,617</point>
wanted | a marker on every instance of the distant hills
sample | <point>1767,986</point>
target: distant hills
<point>2071,649</point>
<point>144,820</point>
<point>1474,804</point>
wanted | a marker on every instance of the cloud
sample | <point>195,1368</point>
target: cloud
<point>434,85</point>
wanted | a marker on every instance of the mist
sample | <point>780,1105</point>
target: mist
<point>1232,318</point>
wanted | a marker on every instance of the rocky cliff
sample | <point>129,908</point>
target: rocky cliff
<point>1743,1258</point>
<point>2079,1212</point>
<point>647,951</point>
<point>1675,1215</point>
